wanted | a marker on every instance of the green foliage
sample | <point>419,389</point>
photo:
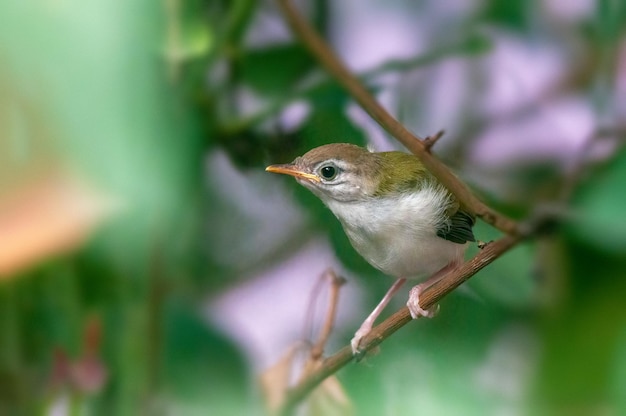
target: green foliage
<point>276,69</point>
<point>202,369</point>
<point>512,14</point>
<point>134,98</point>
<point>601,207</point>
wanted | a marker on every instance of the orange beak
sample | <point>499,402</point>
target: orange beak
<point>292,171</point>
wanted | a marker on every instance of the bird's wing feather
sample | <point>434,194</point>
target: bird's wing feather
<point>458,229</point>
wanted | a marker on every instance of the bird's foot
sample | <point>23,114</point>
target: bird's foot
<point>414,304</point>
<point>358,336</point>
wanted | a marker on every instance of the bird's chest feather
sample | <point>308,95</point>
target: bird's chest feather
<point>398,235</point>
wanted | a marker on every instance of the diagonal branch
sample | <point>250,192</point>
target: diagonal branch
<point>329,60</point>
<point>429,298</point>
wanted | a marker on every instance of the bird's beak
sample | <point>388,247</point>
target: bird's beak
<point>292,170</point>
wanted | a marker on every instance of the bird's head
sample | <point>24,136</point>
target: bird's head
<point>347,173</point>
<point>338,171</point>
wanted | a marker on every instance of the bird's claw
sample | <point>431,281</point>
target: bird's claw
<point>356,340</point>
<point>414,305</point>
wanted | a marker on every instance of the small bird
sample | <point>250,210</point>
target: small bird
<point>394,212</point>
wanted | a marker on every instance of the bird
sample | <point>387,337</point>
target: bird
<point>395,213</point>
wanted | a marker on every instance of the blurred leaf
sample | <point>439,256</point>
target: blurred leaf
<point>330,398</point>
<point>238,19</point>
<point>508,281</point>
<point>202,368</point>
<point>586,331</point>
<point>329,97</point>
<point>600,207</point>
<point>618,392</point>
<point>275,381</point>
<point>512,13</point>
<point>275,70</point>
<point>611,16</point>
<point>50,215</point>
<point>196,41</point>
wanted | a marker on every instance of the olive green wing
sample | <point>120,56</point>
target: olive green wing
<point>458,229</point>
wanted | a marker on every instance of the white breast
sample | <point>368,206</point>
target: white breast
<point>398,236</point>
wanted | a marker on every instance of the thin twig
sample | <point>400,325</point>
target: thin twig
<point>429,298</point>
<point>329,60</point>
<point>430,141</point>
<point>308,332</point>
<point>335,284</point>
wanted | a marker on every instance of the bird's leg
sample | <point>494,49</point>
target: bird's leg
<point>414,295</point>
<point>366,326</point>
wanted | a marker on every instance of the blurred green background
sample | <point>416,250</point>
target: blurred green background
<point>139,234</point>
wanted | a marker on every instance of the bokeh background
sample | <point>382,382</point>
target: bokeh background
<point>148,264</point>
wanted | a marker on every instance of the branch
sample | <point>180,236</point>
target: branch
<point>335,284</point>
<point>368,77</point>
<point>430,141</point>
<point>429,298</point>
<point>329,60</point>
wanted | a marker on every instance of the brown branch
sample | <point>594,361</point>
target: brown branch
<point>329,60</point>
<point>335,284</point>
<point>430,141</point>
<point>429,298</point>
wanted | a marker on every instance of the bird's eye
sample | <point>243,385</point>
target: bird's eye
<point>328,172</point>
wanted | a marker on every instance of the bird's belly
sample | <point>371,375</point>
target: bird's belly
<point>399,235</point>
<point>407,256</point>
